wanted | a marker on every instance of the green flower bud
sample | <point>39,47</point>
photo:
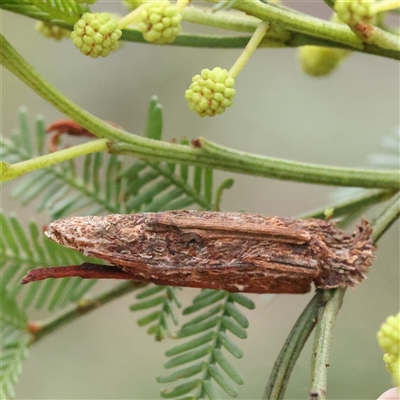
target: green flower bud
<point>351,12</point>
<point>389,339</point>
<point>51,31</point>
<point>389,335</point>
<point>320,61</point>
<point>159,21</point>
<point>211,92</point>
<point>96,34</point>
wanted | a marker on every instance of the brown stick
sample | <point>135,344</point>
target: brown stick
<point>85,270</point>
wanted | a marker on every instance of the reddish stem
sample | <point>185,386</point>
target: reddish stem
<point>85,270</point>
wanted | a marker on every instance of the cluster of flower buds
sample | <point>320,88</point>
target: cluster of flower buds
<point>211,92</point>
<point>160,22</point>
<point>96,34</point>
<point>49,30</point>
<point>389,339</point>
<point>351,12</point>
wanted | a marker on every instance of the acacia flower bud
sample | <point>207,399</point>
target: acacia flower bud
<point>351,12</point>
<point>211,92</point>
<point>389,335</point>
<point>96,34</point>
<point>159,21</point>
<point>389,339</point>
<point>320,61</point>
<point>51,31</point>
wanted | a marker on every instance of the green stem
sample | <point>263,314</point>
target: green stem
<point>387,217</point>
<point>276,386</point>
<point>323,336</point>
<point>240,161</point>
<point>255,40</point>
<point>39,330</point>
<point>205,153</point>
<point>222,20</point>
<point>322,343</point>
<point>130,18</point>
<point>181,4</point>
<point>300,22</point>
<point>383,6</point>
<point>12,171</point>
<point>319,28</point>
<point>351,205</point>
<point>375,36</point>
<point>211,41</point>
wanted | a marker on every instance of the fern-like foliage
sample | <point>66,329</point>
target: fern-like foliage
<point>67,11</point>
<point>137,186</point>
<point>14,343</point>
<point>21,251</point>
<point>162,300</point>
<point>203,356</point>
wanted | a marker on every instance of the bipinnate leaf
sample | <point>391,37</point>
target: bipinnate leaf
<point>218,314</point>
<point>162,301</point>
<point>14,343</point>
<point>130,187</point>
<point>21,251</point>
<point>67,11</point>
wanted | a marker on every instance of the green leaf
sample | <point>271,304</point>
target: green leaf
<point>223,381</point>
<point>230,345</point>
<point>234,327</point>
<point>11,315</point>
<point>154,120</point>
<point>21,251</point>
<point>198,328</point>
<point>237,315</point>
<point>149,318</point>
<point>228,367</point>
<point>223,315</point>
<point>242,300</point>
<point>205,301</point>
<point>14,343</point>
<point>188,357</point>
<point>192,344</point>
<point>181,389</point>
<point>203,316</point>
<point>143,305</point>
<point>210,391</point>
<point>227,184</point>
<point>67,11</point>
<point>162,300</point>
<point>183,373</point>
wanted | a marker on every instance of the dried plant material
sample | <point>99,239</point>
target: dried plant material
<point>237,252</point>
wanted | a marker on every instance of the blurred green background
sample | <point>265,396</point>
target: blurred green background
<point>278,111</point>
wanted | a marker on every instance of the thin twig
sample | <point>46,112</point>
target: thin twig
<point>353,204</point>
<point>388,216</point>
<point>290,352</point>
<point>322,342</point>
<point>39,330</point>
